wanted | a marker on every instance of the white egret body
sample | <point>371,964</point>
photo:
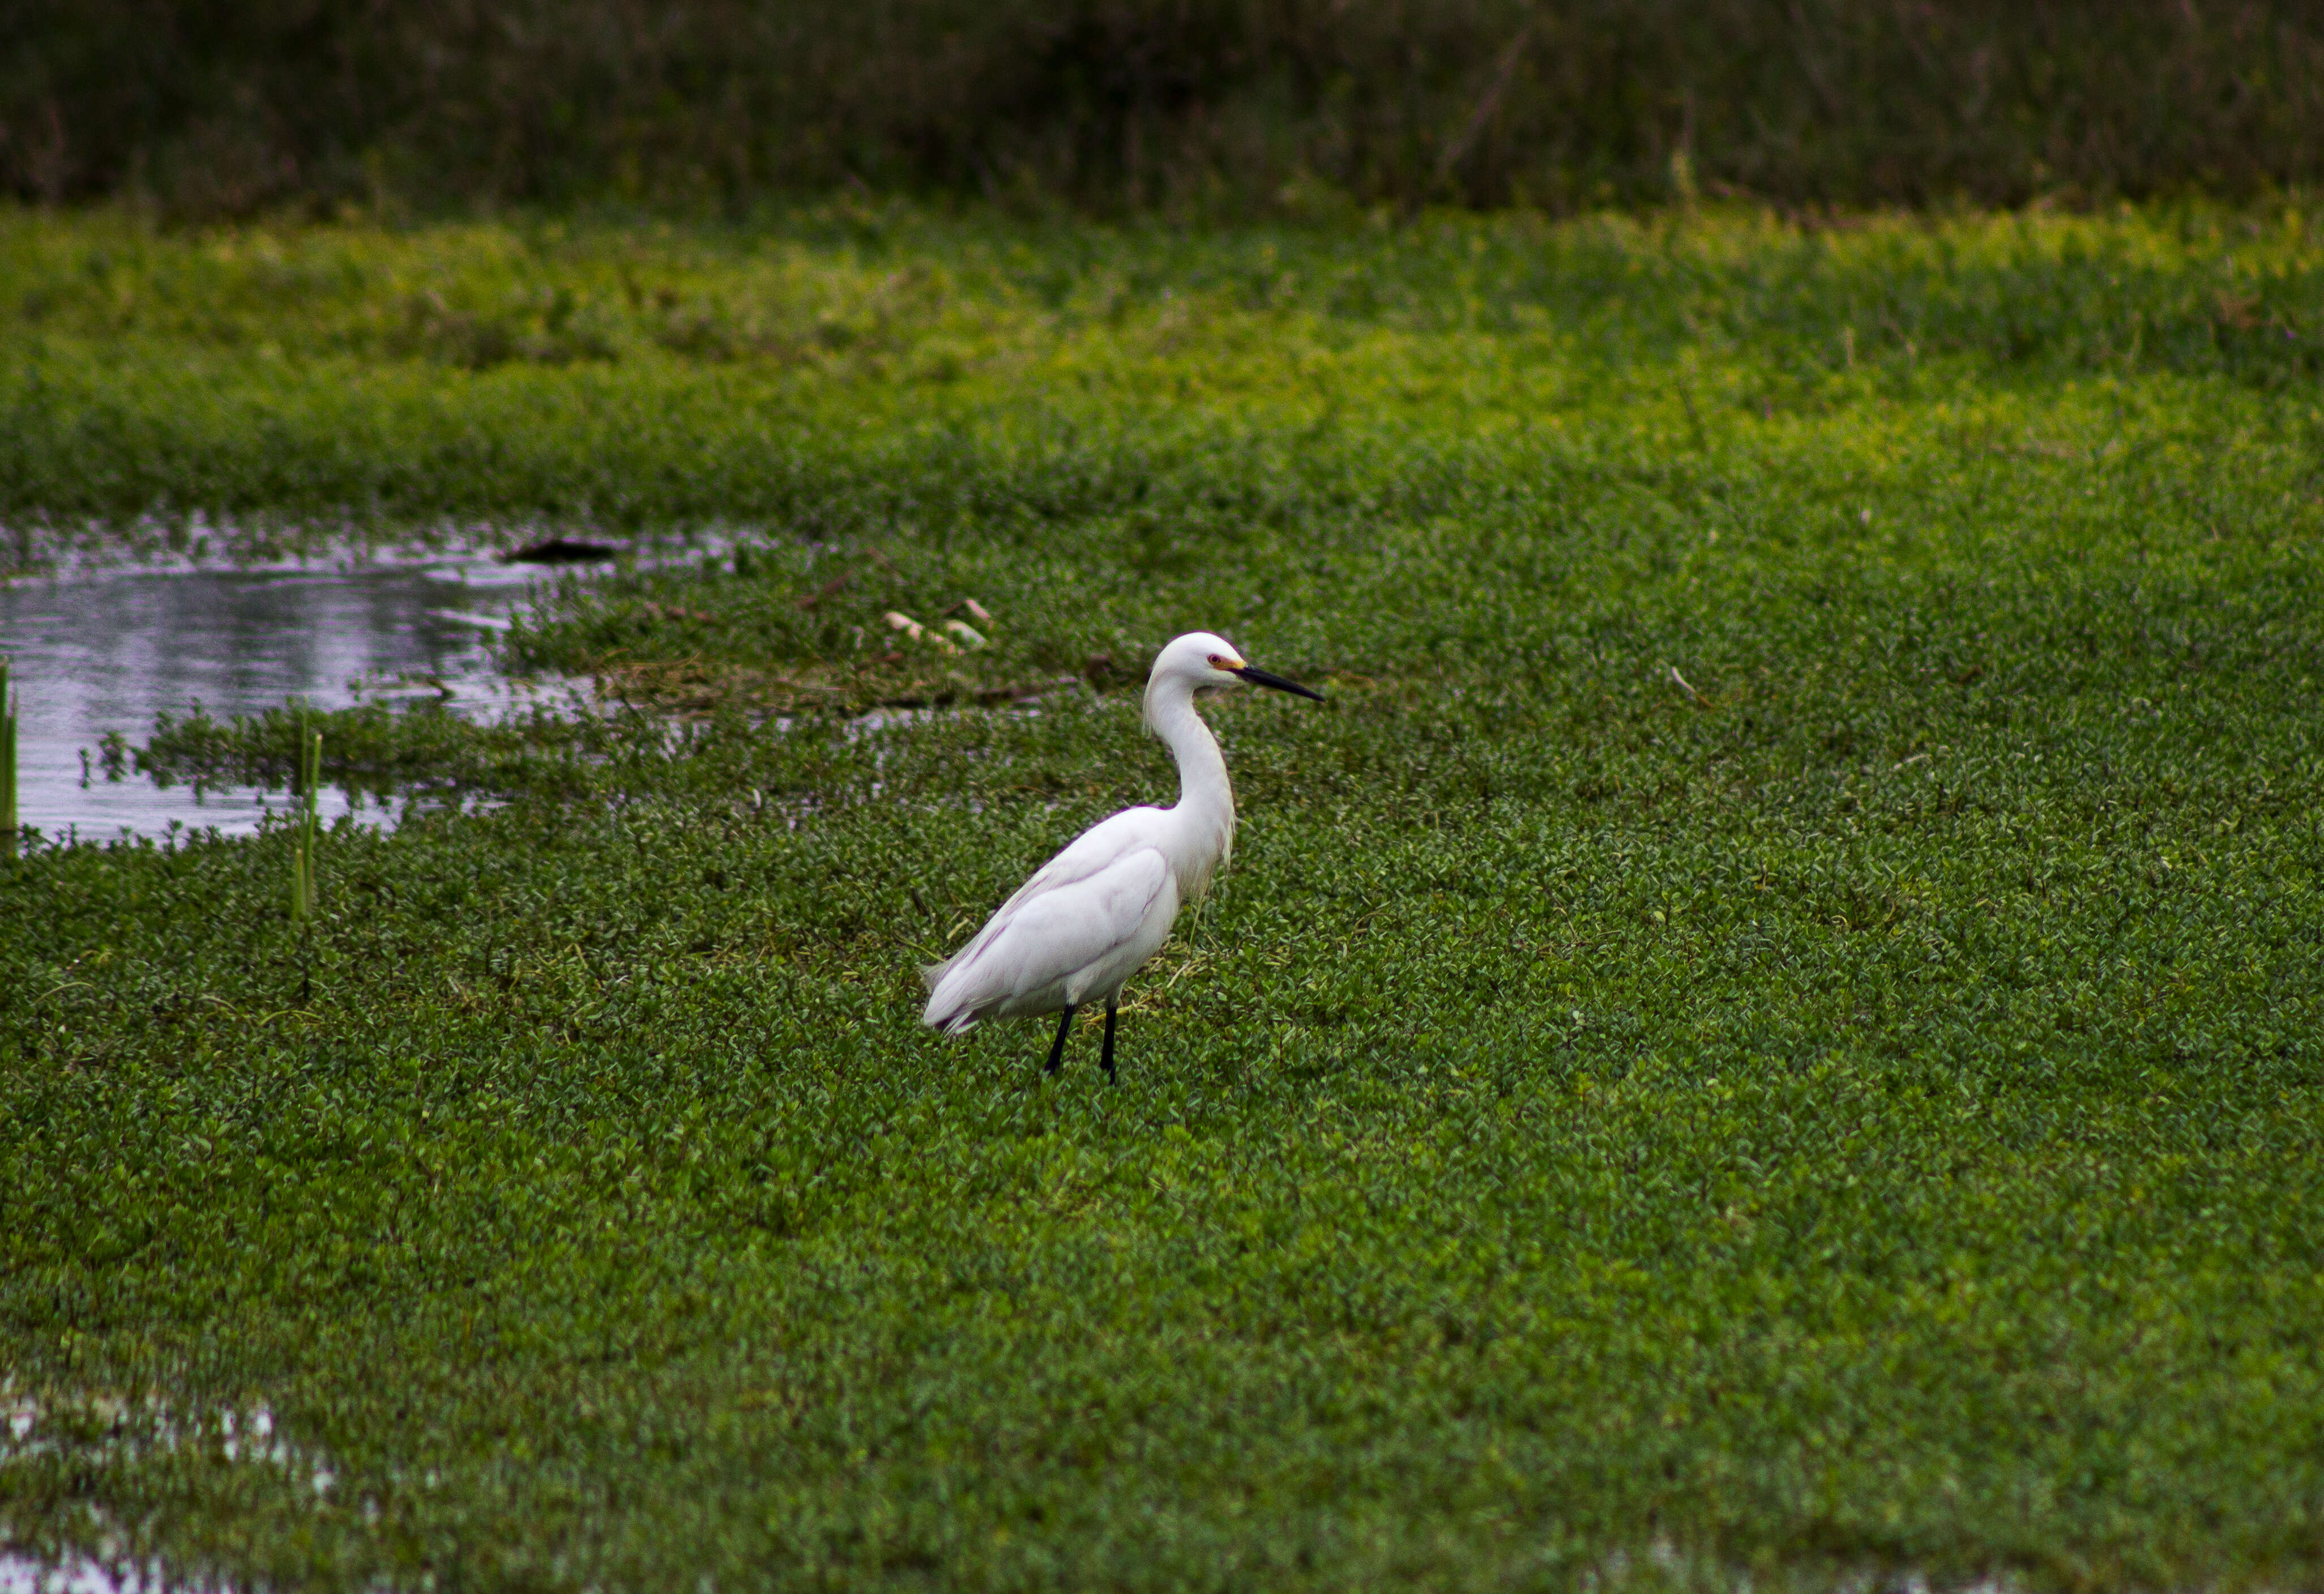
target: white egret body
<point>1093,915</point>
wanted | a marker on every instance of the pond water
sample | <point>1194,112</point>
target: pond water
<point>82,1575</point>
<point>107,650</point>
<point>245,1437</point>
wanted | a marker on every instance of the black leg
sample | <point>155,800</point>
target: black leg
<point>1057,1052</point>
<point>1108,1060</point>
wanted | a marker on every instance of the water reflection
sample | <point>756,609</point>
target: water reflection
<point>83,1574</point>
<point>107,651</point>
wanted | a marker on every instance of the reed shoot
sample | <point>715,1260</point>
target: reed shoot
<point>302,853</point>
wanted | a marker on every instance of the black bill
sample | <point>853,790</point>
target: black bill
<point>1261,678</point>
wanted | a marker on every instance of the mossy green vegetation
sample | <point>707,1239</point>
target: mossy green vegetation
<point>1769,1028</point>
<point>863,365</point>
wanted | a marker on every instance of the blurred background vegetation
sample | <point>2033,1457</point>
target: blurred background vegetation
<point>211,108</point>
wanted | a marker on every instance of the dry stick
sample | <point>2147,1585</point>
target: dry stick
<point>1505,71</point>
<point>1693,419</point>
<point>1689,690</point>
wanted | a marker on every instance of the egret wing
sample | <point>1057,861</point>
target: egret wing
<point>1028,957</point>
<point>1097,848</point>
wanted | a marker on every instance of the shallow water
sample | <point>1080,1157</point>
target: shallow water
<point>81,1575</point>
<point>99,650</point>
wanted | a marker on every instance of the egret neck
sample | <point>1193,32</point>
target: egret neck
<point>1202,832</point>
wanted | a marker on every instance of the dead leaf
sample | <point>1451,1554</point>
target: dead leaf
<point>917,632</point>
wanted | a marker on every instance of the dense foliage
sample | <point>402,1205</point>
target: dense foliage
<point>1220,106</point>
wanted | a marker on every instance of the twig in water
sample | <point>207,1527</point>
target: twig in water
<point>7,766</point>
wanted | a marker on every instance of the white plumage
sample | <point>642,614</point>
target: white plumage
<point>1093,915</point>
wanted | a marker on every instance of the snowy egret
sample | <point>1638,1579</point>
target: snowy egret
<point>1093,915</point>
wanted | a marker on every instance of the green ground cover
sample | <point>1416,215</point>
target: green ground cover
<point>1768,1029</point>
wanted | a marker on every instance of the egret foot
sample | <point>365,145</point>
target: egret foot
<point>1057,1052</point>
<point>1107,1060</point>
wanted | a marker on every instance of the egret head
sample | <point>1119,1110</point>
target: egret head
<point>1202,658</point>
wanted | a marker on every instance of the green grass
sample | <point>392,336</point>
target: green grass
<point>1769,1028</point>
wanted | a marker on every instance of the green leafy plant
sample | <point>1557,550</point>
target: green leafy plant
<point>1767,1034</point>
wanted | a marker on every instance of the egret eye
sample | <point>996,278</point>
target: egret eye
<point>1217,662</point>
